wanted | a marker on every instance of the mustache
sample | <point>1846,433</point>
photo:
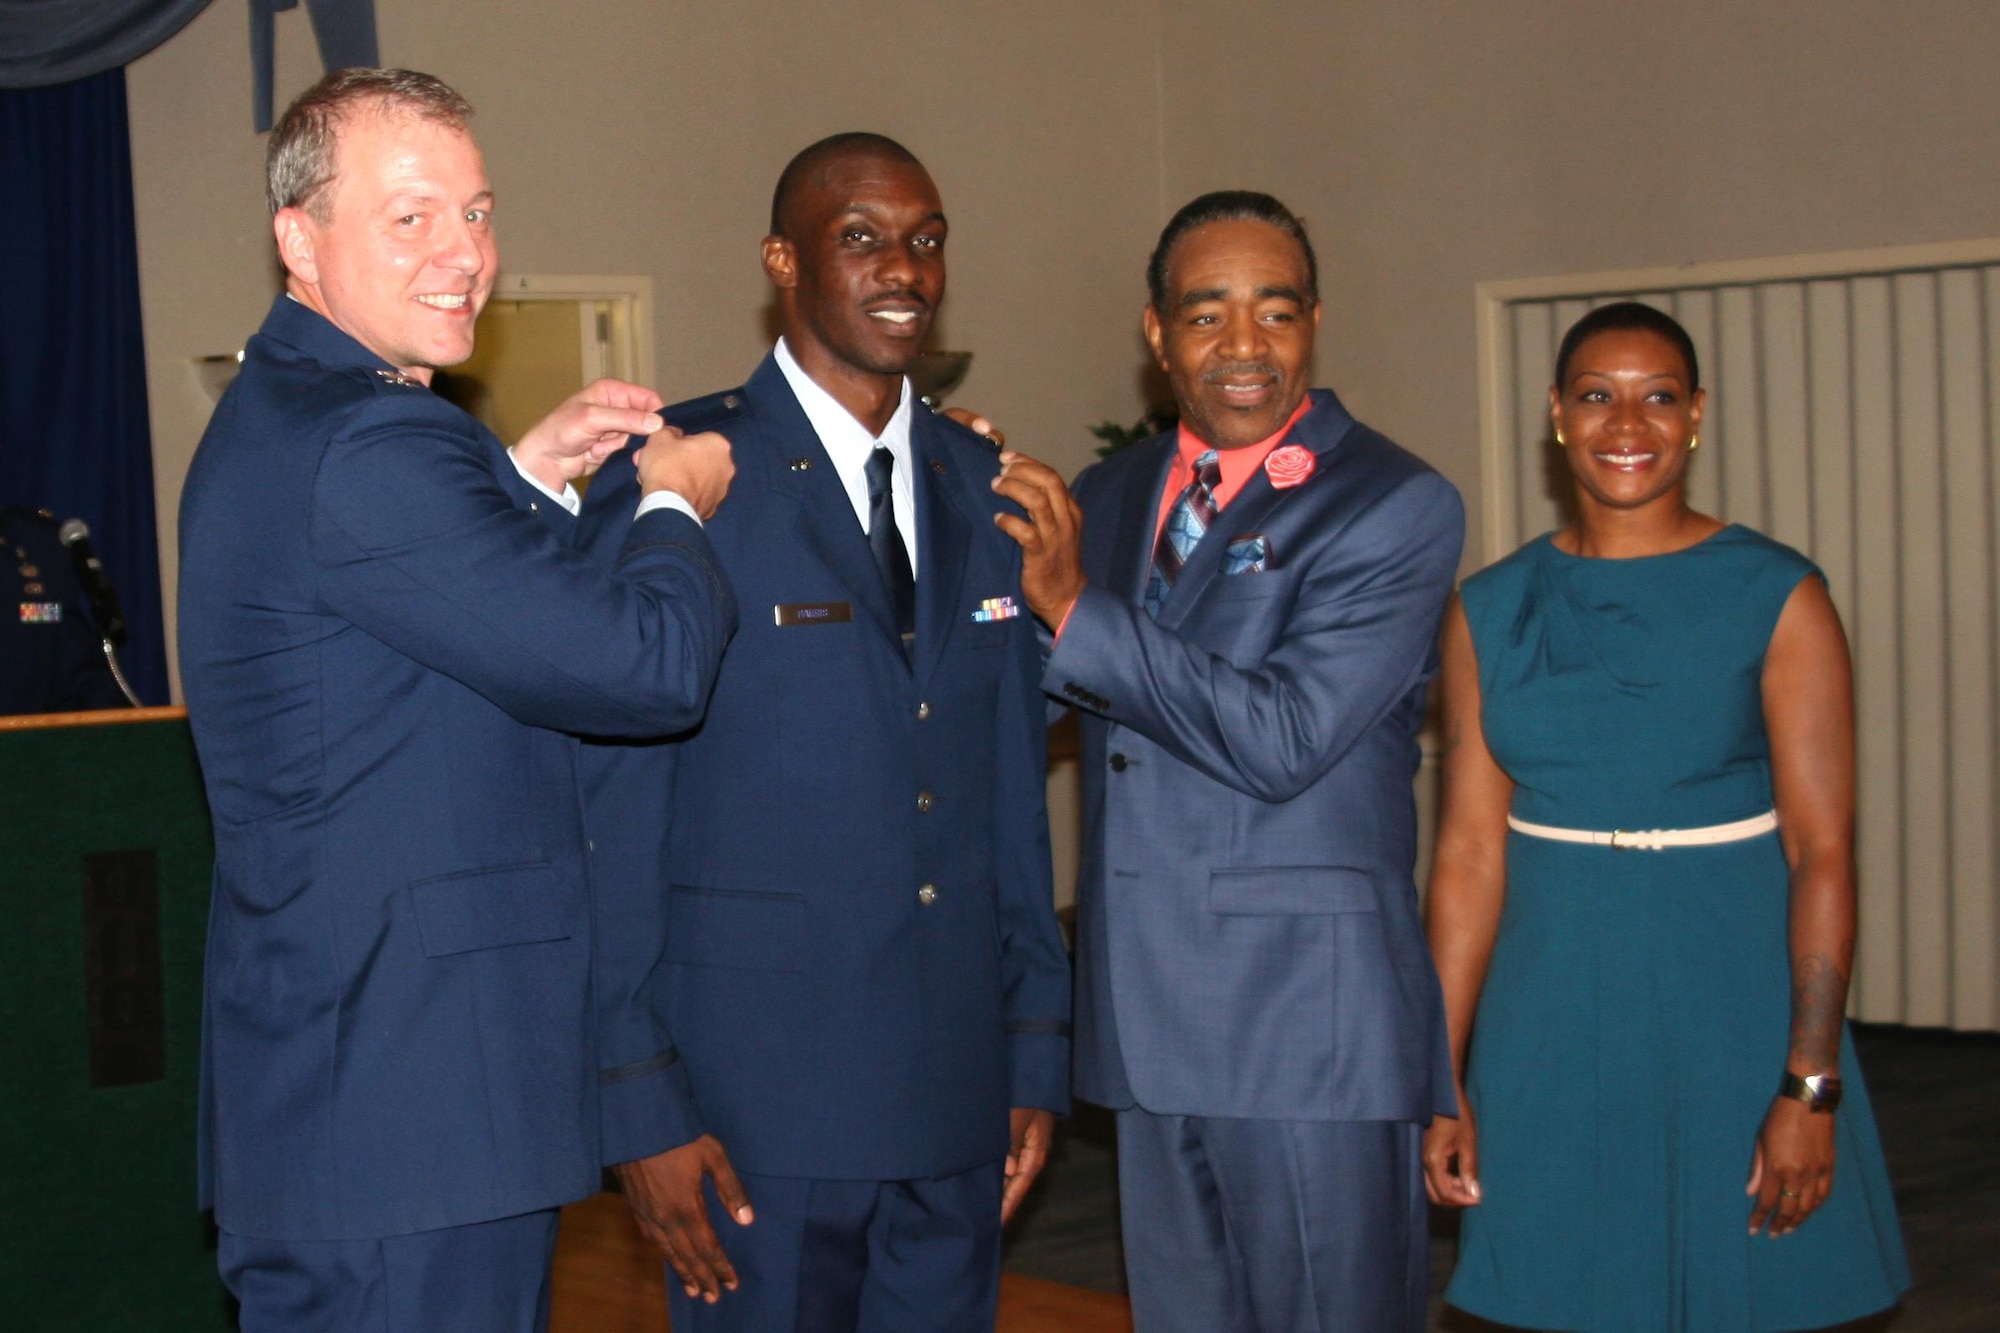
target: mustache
<point>1239,370</point>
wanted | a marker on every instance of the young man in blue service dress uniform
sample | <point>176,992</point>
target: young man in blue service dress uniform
<point>1245,621</point>
<point>385,633</point>
<point>862,971</point>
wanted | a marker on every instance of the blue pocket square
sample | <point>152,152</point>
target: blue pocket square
<point>1248,554</point>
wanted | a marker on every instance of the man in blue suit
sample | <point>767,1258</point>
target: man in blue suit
<point>385,632</point>
<point>862,971</point>
<point>1246,611</point>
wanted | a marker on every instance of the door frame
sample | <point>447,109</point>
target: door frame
<point>627,344</point>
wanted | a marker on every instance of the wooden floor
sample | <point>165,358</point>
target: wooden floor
<point>608,1279</point>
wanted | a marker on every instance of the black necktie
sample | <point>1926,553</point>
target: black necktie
<point>891,556</point>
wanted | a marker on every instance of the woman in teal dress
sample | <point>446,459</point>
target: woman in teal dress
<point>1661,1126</point>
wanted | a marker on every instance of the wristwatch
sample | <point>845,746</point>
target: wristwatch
<point>1820,1092</point>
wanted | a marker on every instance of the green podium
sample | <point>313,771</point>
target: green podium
<point>104,886</point>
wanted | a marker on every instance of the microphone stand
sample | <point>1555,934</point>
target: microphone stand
<point>103,598</point>
<point>118,674</point>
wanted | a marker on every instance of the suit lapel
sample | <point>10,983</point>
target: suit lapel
<point>944,539</point>
<point>1131,556</point>
<point>802,470</point>
<point>1320,430</point>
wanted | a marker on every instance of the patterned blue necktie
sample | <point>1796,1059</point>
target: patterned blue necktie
<point>1186,522</point>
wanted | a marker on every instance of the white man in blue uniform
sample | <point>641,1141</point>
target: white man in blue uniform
<point>862,972</point>
<point>1245,611</point>
<point>386,632</point>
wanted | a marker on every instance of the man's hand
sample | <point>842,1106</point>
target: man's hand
<point>1051,536</point>
<point>699,467</point>
<point>1030,1129</point>
<point>1451,1158</point>
<point>591,425</point>
<point>665,1195</point>
<point>973,421</point>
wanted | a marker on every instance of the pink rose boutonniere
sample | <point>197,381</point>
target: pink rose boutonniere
<point>1290,465</point>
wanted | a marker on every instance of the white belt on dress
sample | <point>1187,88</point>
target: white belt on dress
<point>1653,840</point>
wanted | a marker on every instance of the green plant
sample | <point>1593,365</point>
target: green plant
<point>1118,437</point>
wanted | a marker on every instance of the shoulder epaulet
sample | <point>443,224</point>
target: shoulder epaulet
<point>706,412</point>
<point>963,431</point>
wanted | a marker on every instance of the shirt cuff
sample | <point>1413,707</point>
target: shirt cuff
<point>1056,637</point>
<point>567,497</point>
<point>673,500</point>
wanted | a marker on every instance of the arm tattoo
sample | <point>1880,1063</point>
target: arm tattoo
<point>1819,1004</point>
<point>1453,737</point>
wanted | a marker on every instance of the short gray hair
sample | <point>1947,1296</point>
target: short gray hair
<point>299,160</point>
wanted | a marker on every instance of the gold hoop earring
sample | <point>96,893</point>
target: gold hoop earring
<point>1561,443</point>
<point>1694,443</point>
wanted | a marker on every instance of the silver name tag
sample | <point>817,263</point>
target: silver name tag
<point>812,613</point>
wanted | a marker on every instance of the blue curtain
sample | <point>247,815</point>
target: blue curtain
<point>74,434</point>
<point>44,42</point>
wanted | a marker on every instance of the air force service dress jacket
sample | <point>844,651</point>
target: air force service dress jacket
<point>50,655</point>
<point>385,633</point>
<point>862,970</point>
<point>1248,942</point>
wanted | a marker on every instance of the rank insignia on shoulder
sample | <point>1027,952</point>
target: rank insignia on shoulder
<point>704,413</point>
<point>995,608</point>
<point>399,379</point>
<point>41,613</point>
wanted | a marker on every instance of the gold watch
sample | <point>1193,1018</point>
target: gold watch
<point>1820,1092</point>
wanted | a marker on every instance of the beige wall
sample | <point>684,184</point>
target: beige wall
<point>1431,144</point>
<point>1434,144</point>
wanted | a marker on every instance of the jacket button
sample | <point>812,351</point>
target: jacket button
<point>927,894</point>
<point>924,802</point>
<point>1118,762</point>
<point>923,711</point>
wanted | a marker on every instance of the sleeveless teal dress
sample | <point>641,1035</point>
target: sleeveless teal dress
<point>1636,1015</point>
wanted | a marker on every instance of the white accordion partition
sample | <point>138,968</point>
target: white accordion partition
<point>1852,410</point>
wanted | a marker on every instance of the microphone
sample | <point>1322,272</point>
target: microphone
<point>75,534</point>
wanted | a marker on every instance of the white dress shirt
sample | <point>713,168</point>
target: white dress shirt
<point>849,444</point>
<point>568,499</point>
